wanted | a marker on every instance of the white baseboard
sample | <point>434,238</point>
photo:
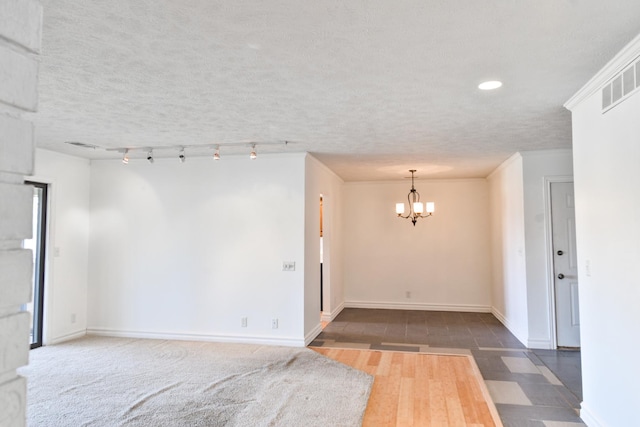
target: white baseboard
<point>67,337</point>
<point>540,344</point>
<point>312,335</point>
<point>328,317</point>
<point>418,306</point>
<point>589,417</point>
<point>244,339</point>
<point>505,322</point>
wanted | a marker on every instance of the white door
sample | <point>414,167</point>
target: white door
<point>565,264</point>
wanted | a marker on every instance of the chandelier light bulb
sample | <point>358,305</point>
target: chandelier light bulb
<point>399,208</point>
<point>431,207</point>
<point>418,207</point>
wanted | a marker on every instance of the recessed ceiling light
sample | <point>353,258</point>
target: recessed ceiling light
<point>490,85</point>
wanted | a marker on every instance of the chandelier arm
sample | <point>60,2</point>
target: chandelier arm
<point>411,213</point>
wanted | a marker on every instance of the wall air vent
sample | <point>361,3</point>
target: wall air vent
<point>622,86</point>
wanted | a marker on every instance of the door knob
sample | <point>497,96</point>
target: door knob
<point>560,252</point>
<point>560,276</point>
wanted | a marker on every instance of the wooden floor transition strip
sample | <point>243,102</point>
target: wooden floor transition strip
<point>420,389</point>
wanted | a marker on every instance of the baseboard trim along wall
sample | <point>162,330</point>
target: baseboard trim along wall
<point>67,337</point>
<point>510,327</point>
<point>328,317</point>
<point>540,344</point>
<point>418,306</point>
<point>243,339</point>
<point>312,335</point>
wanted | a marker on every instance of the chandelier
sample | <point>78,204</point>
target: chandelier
<point>416,208</point>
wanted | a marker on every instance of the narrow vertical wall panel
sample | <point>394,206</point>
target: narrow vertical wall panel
<point>16,145</point>
<point>20,40</point>
<point>19,76</point>
<point>13,403</point>
<point>21,22</point>
<point>15,211</point>
<point>15,277</point>
<point>14,335</point>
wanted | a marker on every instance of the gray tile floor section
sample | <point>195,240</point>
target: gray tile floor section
<point>540,388</point>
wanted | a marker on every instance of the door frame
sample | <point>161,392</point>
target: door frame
<point>548,225</point>
<point>49,253</point>
<point>42,259</point>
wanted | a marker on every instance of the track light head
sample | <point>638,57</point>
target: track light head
<point>150,156</point>
<point>253,155</point>
<point>125,158</point>
<point>181,156</point>
<point>216,155</point>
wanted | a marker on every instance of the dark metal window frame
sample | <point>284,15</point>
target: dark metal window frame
<point>40,266</point>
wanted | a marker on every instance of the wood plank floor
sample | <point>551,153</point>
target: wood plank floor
<point>417,389</point>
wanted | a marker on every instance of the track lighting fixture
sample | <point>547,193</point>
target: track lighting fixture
<point>194,150</point>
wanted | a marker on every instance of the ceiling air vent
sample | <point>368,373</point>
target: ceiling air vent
<point>623,85</point>
<point>81,144</point>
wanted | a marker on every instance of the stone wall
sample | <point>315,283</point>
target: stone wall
<point>20,37</point>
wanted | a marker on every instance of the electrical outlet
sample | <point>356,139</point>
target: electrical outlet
<point>244,322</point>
<point>274,323</point>
<point>288,266</point>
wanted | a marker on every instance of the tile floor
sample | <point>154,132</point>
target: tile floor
<point>531,388</point>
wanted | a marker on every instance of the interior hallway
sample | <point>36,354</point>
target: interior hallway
<point>531,388</point>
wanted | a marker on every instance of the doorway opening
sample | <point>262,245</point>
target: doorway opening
<point>37,244</point>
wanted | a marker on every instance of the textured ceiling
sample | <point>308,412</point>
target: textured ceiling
<point>370,87</point>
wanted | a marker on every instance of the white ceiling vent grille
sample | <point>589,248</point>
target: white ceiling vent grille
<point>622,86</point>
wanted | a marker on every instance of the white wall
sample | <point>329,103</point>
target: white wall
<point>187,250</point>
<point>444,261</point>
<point>521,264</point>
<point>538,166</point>
<point>607,184</point>
<point>68,233</point>
<point>321,180</point>
<point>509,279</point>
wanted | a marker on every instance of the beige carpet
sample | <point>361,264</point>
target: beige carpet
<point>130,382</point>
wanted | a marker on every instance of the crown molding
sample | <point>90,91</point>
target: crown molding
<point>628,53</point>
<point>504,165</point>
